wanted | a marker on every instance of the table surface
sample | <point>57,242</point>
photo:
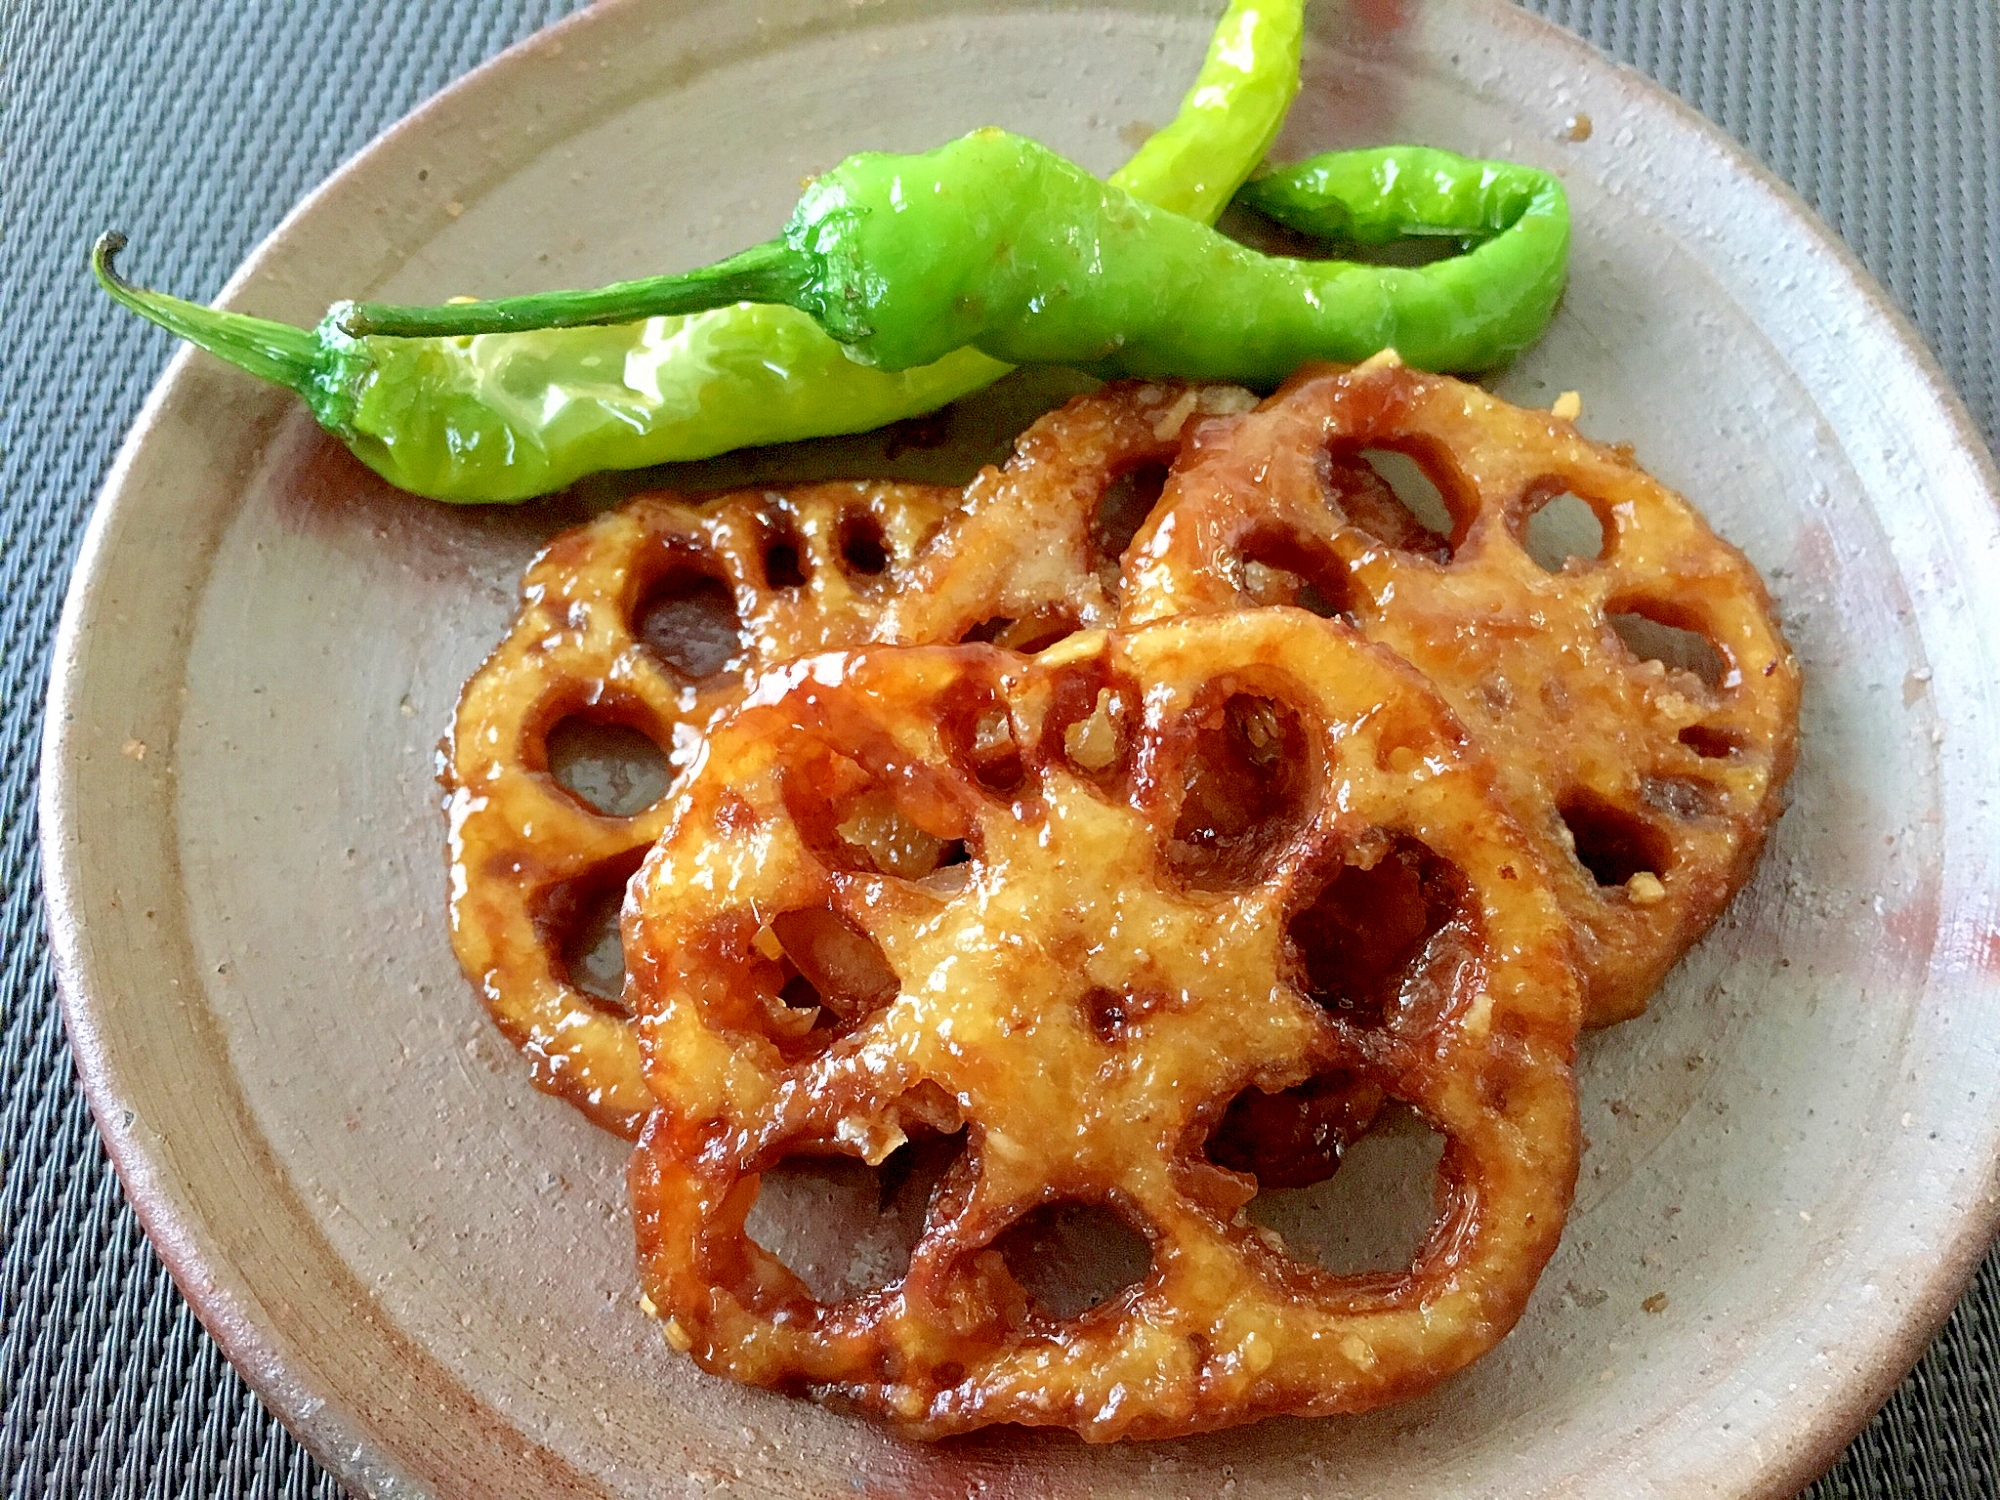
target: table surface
<point>196,126</point>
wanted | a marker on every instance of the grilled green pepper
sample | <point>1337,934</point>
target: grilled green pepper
<point>505,417</point>
<point>996,243</point>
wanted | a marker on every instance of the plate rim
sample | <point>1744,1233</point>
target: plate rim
<point>230,1317</point>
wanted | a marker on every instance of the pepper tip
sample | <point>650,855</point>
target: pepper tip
<point>103,254</point>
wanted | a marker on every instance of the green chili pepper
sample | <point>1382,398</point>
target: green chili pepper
<point>505,417</point>
<point>996,243</point>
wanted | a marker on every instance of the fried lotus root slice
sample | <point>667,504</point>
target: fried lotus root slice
<point>1036,551</point>
<point>1641,704</point>
<point>649,617</point>
<point>1076,991</point>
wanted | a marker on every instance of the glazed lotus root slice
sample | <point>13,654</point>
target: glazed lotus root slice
<point>1641,703</point>
<point>1070,994</point>
<point>647,619</point>
<point>1035,552</point>
<point>642,622</point>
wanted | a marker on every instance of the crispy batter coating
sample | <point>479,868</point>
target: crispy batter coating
<point>958,892</point>
<point>656,614</point>
<point>1152,910</point>
<point>1646,787</point>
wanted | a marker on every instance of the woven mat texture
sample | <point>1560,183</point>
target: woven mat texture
<point>196,124</point>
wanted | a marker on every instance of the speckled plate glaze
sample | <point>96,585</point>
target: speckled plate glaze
<point>425,1267</point>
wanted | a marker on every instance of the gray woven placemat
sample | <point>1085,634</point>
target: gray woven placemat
<point>199,124</point>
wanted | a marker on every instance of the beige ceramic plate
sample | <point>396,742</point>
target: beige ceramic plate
<point>425,1267</point>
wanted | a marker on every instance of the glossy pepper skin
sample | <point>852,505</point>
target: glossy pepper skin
<point>509,416</point>
<point>997,243</point>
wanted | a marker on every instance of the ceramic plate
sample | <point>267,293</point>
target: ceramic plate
<point>425,1267</point>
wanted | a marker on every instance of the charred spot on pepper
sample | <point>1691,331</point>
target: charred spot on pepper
<point>1292,1137</point>
<point>577,922</point>
<point>1372,936</point>
<point>604,761</point>
<point>1071,1256</point>
<point>687,617</point>
<point>1245,772</point>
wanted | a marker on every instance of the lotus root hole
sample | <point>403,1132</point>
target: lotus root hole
<point>864,550</point>
<point>1279,567</point>
<point>853,822</point>
<point>1650,636</point>
<point>1562,527</point>
<point>1373,1215</point>
<point>1070,1257</point>
<point>608,766</point>
<point>1296,1136</point>
<point>1247,796</point>
<point>689,620</point>
<point>784,556</point>
<point>1709,742</point>
<point>952,874</point>
<point>1612,843</point>
<point>842,968</point>
<point>1362,940</point>
<point>1123,508</point>
<point>1087,718</point>
<point>845,1228</point>
<point>1028,635</point>
<point>1395,497</point>
<point>978,730</point>
<point>578,924</point>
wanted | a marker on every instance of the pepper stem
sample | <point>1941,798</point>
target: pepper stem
<point>271,351</point>
<point>771,272</point>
